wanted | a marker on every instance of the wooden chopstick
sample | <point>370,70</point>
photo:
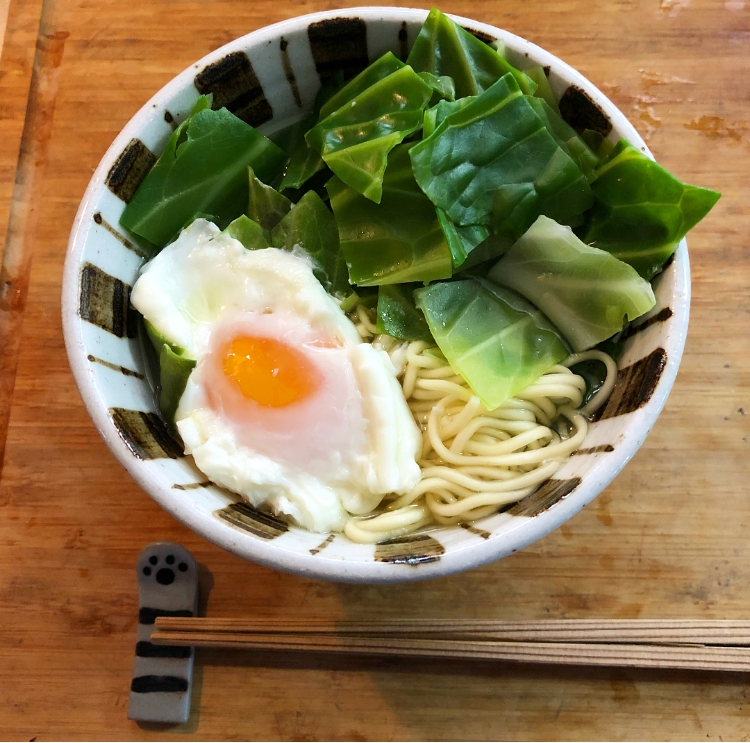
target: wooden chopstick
<point>696,657</point>
<point>711,645</point>
<point>640,631</point>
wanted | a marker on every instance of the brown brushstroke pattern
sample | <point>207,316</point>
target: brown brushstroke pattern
<point>234,85</point>
<point>118,235</point>
<point>635,385</point>
<point>580,111</point>
<point>249,519</point>
<point>338,44</point>
<point>668,262</point>
<point>601,449</point>
<point>544,497</point>
<point>194,485</point>
<point>115,367</point>
<point>105,301</point>
<point>415,549</point>
<point>144,434</point>
<point>323,545</point>
<point>476,530</point>
<point>286,63</point>
<point>25,207</point>
<point>129,170</point>
<point>403,42</point>
<point>481,35</point>
<point>661,316</point>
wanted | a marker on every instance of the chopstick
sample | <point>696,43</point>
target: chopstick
<point>644,656</point>
<point>642,631</point>
<point>680,644</point>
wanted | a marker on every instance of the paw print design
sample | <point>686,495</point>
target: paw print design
<point>164,576</point>
<point>162,674</point>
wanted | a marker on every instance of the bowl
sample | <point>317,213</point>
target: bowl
<point>268,78</point>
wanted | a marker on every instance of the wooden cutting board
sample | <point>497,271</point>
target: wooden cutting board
<point>669,538</point>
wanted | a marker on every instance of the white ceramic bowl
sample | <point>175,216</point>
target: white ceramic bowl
<point>269,77</point>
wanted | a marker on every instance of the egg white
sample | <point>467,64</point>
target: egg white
<point>195,279</point>
<point>205,281</point>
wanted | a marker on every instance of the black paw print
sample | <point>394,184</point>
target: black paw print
<point>164,576</point>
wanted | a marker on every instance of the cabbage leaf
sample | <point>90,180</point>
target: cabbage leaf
<point>598,144</point>
<point>354,141</point>
<point>305,162</point>
<point>435,115</point>
<point>443,87</point>
<point>398,314</point>
<point>174,370</point>
<point>248,232</point>
<point>311,226</point>
<point>543,89</point>
<point>494,163</point>
<point>641,211</point>
<point>265,205</point>
<point>567,138</point>
<point>203,168</point>
<point>495,339</point>
<point>373,73</point>
<point>461,239</point>
<point>587,293</point>
<point>444,48</point>
<point>395,241</point>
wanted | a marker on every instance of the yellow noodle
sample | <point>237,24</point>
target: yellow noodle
<point>365,320</point>
<point>606,389</point>
<point>387,525</point>
<point>473,515</point>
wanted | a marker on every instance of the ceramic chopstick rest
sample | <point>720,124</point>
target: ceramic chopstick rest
<point>163,674</point>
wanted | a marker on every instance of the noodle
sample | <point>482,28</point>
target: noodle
<point>475,461</point>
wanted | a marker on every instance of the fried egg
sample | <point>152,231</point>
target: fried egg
<point>286,405</point>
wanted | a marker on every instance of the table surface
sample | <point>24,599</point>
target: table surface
<point>669,538</point>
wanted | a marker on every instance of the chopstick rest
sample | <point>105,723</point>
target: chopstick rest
<point>163,674</point>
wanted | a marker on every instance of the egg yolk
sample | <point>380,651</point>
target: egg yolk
<point>269,371</point>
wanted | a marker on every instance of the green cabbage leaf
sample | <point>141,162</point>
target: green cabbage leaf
<point>373,73</point>
<point>398,315</point>
<point>444,48</point>
<point>248,232</point>
<point>495,339</point>
<point>443,87</point>
<point>398,240</point>
<point>174,370</point>
<point>461,239</point>
<point>265,205</point>
<point>311,226</point>
<point>305,162</point>
<point>354,141</point>
<point>203,168</point>
<point>567,138</point>
<point>641,211</point>
<point>435,115</point>
<point>543,89</point>
<point>494,163</point>
<point>587,293</point>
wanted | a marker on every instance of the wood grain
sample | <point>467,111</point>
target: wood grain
<point>25,206</point>
<point>674,656</point>
<point>640,631</point>
<point>667,539</point>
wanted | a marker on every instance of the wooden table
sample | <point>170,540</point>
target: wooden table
<point>668,539</point>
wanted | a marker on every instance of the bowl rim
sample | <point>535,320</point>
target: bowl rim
<point>275,555</point>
